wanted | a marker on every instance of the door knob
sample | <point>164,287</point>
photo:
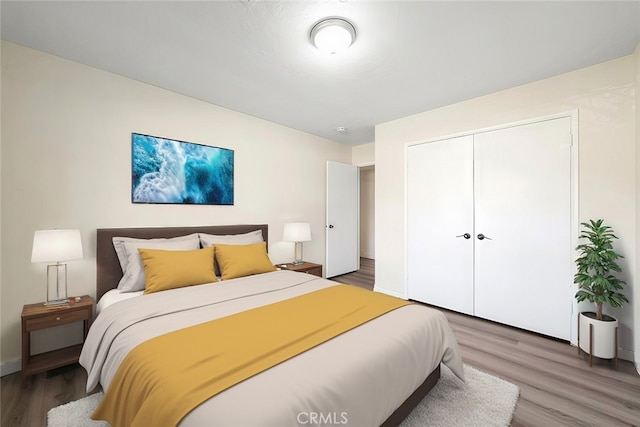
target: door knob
<point>482,237</point>
<point>465,235</point>
<point>330,226</point>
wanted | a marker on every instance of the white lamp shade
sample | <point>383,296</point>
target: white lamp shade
<point>297,232</point>
<point>56,245</point>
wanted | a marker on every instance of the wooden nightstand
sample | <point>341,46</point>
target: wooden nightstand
<point>40,316</point>
<point>305,267</point>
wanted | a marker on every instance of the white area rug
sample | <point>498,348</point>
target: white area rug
<point>76,414</point>
<point>483,401</point>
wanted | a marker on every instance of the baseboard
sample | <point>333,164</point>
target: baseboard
<point>625,355</point>
<point>391,292</point>
<point>7,368</point>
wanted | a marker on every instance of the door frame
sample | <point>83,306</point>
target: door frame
<point>573,115</point>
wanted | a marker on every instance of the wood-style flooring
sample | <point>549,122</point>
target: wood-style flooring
<point>557,387</point>
<point>363,277</point>
<point>26,405</point>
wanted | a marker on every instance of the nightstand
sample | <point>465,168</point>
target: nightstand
<point>305,267</point>
<point>40,316</point>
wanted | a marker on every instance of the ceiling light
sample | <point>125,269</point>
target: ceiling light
<point>333,35</point>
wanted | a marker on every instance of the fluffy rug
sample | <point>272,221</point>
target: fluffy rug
<point>76,414</point>
<point>483,401</point>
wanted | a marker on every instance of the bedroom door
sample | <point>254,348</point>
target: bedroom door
<point>342,227</point>
<point>440,218</point>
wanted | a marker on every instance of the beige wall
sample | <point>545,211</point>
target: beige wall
<point>603,95</point>
<point>0,216</point>
<point>367,212</point>
<point>636,292</point>
<point>363,155</point>
<point>66,141</point>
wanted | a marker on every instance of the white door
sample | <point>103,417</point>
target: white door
<point>342,230</point>
<point>440,223</point>
<point>523,206</point>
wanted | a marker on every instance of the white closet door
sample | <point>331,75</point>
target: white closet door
<point>440,208</point>
<point>523,204</point>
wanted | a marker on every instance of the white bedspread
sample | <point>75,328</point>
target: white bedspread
<point>113,296</point>
<point>361,376</point>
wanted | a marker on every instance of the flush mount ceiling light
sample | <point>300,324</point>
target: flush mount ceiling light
<point>333,35</point>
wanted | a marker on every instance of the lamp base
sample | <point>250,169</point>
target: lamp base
<point>298,254</point>
<point>56,302</point>
<point>56,284</point>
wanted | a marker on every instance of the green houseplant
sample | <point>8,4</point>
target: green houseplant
<point>596,262</point>
<point>597,333</point>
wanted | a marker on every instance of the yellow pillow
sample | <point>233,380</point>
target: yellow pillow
<point>243,260</point>
<point>165,270</point>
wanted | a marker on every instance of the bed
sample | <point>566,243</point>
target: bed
<point>374,374</point>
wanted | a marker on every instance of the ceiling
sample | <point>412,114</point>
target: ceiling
<point>255,56</point>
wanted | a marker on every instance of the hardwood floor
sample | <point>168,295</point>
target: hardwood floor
<point>557,387</point>
<point>363,277</point>
<point>26,405</point>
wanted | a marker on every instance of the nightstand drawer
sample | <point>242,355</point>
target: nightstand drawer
<point>313,270</point>
<point>55,319</point>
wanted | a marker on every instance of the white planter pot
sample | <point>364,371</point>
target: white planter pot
<point>604,336</point>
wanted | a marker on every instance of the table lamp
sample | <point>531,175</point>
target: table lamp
<point>297,232</point>
<point>56,246</point>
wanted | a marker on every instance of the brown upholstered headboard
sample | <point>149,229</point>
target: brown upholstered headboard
<point>108,271</point>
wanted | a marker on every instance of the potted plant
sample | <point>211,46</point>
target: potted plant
<point>597,332</point>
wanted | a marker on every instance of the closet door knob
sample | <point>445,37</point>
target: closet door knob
<point>482,237</point>
<point>465,235</point>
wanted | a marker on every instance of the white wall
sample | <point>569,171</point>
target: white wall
<point>604,96</point>
<point>367,212</point>
<point>66,143</point>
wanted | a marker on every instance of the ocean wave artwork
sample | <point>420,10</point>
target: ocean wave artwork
<point>178,172</point>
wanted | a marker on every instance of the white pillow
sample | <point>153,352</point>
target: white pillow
<point>118,245</point>
<point>231,239</point>
<point>133,276</point>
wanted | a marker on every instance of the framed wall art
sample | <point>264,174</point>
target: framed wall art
<point>169,171</point>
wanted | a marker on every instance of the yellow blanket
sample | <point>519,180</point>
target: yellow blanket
<point>163,379</point>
